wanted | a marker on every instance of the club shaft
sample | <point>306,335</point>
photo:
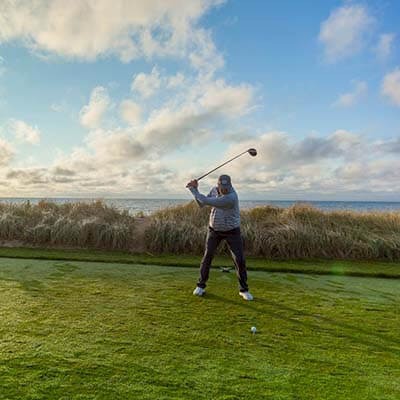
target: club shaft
<point>219,166</point>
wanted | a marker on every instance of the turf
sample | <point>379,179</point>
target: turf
<point>80,330</point>
<point>377,269</point>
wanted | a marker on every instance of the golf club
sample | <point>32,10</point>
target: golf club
<point>252,152</point>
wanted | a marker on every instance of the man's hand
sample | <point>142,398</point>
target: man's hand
<point>193,183</point>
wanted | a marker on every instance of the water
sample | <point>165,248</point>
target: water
<point>147,206</point>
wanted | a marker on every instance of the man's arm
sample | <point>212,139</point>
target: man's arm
<point>210,194</point>
<point>219,202</point>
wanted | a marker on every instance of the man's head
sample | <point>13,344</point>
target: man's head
<point>224,184</point>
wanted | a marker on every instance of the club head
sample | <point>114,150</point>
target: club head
<point>252,152</point>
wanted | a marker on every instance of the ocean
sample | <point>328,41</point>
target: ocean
<point>147,206</point>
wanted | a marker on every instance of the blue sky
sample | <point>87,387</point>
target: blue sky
<point>132,99</point>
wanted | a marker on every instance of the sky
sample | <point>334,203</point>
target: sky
<point>132,99</point>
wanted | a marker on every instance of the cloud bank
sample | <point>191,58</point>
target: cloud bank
<point>128,29</point>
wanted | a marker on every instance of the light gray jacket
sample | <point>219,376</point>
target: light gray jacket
<point>225,214</point>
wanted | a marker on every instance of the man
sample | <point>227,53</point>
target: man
<point>224,224</point>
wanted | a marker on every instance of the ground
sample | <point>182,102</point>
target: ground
<point>84,330</point>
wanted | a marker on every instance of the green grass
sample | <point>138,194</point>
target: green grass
<point>80,330</point>
<point>376,269</point>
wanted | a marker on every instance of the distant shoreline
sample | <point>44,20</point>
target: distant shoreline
<point>148,206</point>
<point>91,198</point>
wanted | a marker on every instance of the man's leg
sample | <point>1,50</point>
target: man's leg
<point>212,242</point>
<point>235,243</point>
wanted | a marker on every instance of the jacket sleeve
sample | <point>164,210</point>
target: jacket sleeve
<point>226,201</point>
<point>210,194</point>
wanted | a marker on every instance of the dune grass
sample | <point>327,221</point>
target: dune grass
<point>79,224</point>
<point>78,330</point>
<point>297,232</point>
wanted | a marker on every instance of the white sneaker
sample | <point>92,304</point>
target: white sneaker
<point>199,291</point>
<point>246,295</point>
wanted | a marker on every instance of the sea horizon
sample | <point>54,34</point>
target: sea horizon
<point>149,205</point>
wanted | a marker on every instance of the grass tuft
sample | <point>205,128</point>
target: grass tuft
<point>89,225</point>
<point>297,232</point>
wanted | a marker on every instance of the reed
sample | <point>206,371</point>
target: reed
<point>298,232</point>
<point>79,224</point>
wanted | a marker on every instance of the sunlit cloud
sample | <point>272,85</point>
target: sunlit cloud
<point>391,86</point>
<point>24,132</point>
<point>146,84</point>
<point>92,113</point>
<point>131,112</point>
<point>126,29</point>
<point>7,152</point>
<point>385,45</point>
<point>351,98</point>
<point>346,31</point>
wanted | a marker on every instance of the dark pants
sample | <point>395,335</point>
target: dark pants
<point>235,244</point>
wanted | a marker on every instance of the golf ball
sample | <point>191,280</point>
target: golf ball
<point>253,329</point>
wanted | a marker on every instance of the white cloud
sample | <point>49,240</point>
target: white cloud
<point>385,45</point>
<point>24,132</point>
<point>114,146</point>
<point>352,98</point>
<point>169,129</point>
<point>6,152</point>
<point>345,32</point>
<point>370,175</point>
<point>340,165</point>
<point>289,165</point>
<point>116,162</point>
<point>91,114</point>
<point>278,151</point>
<point>389,146</point>
<point>28,176</point>
<point>205,56</point>
<point>101,164</point>
<point>229,100</point>
<point>391,86</point>
<point>131,112</point>
<point>147,84</point>
<point>128,29</point>
<point>353,171</point>
<point>186,119</point>
<point>192,115</point>
<point>175,81</point>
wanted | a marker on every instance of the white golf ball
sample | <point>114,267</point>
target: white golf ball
<point>253,329</point>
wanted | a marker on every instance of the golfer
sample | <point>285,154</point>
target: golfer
<point>224,224</point>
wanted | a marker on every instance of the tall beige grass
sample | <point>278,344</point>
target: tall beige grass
<point>79,224</point>
<point>298,232</point>
<point>178,229</point>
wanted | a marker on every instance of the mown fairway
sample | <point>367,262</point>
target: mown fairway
<point>76,330</point>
